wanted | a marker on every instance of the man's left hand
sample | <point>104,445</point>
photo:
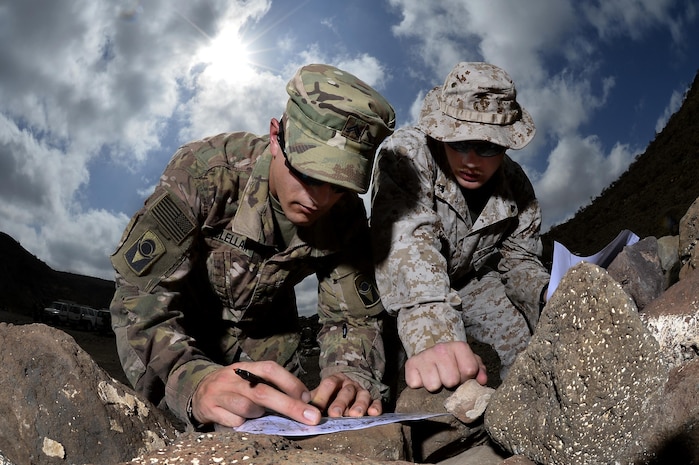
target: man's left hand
<point>341,396</point>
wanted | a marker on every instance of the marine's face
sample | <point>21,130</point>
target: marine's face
<point>473,164</point>
<point>303,199</point>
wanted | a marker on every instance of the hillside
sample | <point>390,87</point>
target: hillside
<point>650,197</point>
<point>27,284</point>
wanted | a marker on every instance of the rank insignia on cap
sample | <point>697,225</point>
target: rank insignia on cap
<point>354,128</point>
<point>144,252</point>
<point>366,290</point>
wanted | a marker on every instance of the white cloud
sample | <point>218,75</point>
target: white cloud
<point>367,68</point>
<point>578,170</point>
<point>88,80</point>
<point>415,107</point>
<point>102,78</point>
<point>676,100</point>
<point>510,34</point>
<point>627,17</point>
<point>222,99</point>
<point>222,105</point>
<point>223,80</point>
<point>442,29</point>
<point>330,24</point>
<point>40,211</point>
<point>518,35</point>
<point>82,243</point>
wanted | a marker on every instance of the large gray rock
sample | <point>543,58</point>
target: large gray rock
<point>481,455</point>
<point>57,406</point>
<point>437,438</point>
<point>587,388</point>
<point>637,268</point>
<point>678,437</point>
<point>673,320</point>
<point>668,251</point>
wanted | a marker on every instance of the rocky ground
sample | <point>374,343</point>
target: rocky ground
<point>638,365</point>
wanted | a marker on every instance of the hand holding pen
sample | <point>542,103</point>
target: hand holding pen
<point>232,394</point>
<point>253,379</point>
<point>338,393</point>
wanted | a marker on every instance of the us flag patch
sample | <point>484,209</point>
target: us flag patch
<point>171,219</point>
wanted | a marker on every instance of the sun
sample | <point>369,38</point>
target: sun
<point>227,57</point>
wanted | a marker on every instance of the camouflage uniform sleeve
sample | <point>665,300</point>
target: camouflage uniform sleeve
<point>152,262</point>
<point>159,359</point>
<point>407,234</point>
<point>524,275</point>
<point>349,308</point>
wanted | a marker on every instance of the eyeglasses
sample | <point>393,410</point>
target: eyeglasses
<point>482,148</point>
<point>304,178</point>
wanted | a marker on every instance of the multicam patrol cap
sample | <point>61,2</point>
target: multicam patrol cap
<point>334,123</point>
<point>478,101</point>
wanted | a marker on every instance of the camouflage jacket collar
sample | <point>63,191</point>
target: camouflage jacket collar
<point>501,205</point>
<point>254,218</point>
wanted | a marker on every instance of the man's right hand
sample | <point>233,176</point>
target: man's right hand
<point>448,364</point>
<point>223,397</point>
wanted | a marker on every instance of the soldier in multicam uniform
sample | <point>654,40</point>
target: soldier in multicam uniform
<point>206,269</point>
<point>456,225</point>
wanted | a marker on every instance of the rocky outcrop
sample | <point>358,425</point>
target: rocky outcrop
<point>237,448</point>
<point>57,406</point>
<point>639,272</point>
<point>610,374</point>
<point>673,319</point>
<point>589,384</point>
<point>609,377</point>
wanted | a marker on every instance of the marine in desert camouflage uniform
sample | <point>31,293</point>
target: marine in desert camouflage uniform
<point>456,229</point>
<point>206,269</point>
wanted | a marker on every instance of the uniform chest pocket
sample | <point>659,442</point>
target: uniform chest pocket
<point>487,257</point>
<point>233,276</point>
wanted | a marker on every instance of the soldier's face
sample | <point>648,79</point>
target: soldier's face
<point>303,202</point>
<point>470,169</point>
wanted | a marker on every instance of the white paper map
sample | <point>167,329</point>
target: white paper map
<point>282,426</point>
<point>563,259</point>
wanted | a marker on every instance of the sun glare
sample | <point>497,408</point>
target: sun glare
<point>227,57</point>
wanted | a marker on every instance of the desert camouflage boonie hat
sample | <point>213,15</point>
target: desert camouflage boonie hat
<point>333,124</point>
<point>478,101</point>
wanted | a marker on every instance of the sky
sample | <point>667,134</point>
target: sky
<point>96,95</point>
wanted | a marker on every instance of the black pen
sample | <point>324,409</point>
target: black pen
<point>253,379</point>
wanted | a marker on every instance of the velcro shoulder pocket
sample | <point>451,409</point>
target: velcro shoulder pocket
<point>352,291</point>
<point>155,242</point>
